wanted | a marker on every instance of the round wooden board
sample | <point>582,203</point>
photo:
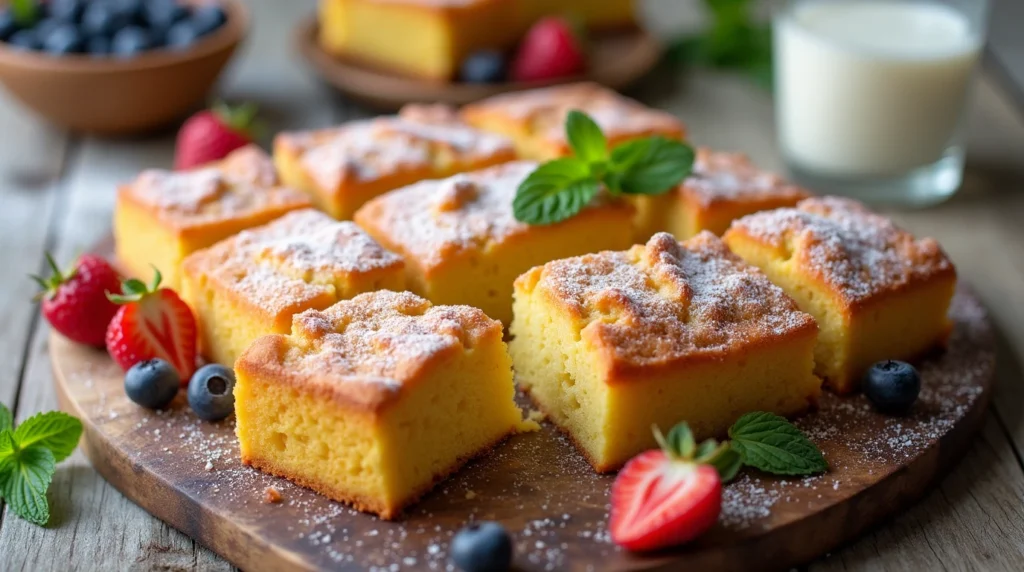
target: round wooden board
<point>617,60</point>
<point>187,473</point>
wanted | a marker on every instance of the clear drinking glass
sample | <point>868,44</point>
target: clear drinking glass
<point>870,94</point>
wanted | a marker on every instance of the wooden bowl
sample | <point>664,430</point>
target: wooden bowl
<point>616,60</point>
<point>109,96</point>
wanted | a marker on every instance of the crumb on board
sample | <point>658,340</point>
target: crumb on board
<point>271,495</point>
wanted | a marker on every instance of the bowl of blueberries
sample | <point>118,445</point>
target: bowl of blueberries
<point>116,67</point>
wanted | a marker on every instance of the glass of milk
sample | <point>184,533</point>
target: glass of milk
<point>870,94</point>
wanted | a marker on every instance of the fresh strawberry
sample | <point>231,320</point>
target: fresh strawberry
<point>213,133</point>
<point>549,50</point>
<point>75,303</point>
<point>152,322</point>
<point>667,497</point>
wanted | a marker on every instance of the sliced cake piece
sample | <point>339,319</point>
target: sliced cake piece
<point>876,291</point>
<point>608,344</point>
<point>343,167</point>
<point>253,283</point>
<point>463,245</point>
<point>376,399</point>
<point>163,216</point>
<point>723,187</point>
<point>535,120</point>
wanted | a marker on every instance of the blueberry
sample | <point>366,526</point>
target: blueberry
<point>182,35</point>
<point>25,40</point>
<point>162,14</point>
<point>8,25</point>
<point>64,39</point>
<point>130,41</point>
<point>44,27</point>
<point>69,11</point>
<point>152,383</point>
<point>102,19</point>
<point>892,386</point>
<point>485,66</point>
<point>211,392</point>
<point>98,46</point>
<point>131,10</point>
<point>208,18</point>
<point>482,547</point>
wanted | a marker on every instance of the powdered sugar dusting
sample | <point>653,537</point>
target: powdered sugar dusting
<point>665,300</point>
<point>856,251</point>
<point>721,176</point>
<point>536,484</point>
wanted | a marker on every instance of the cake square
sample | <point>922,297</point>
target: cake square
<point>376,399</point>
<point>603,15</point>
<point>609,344</point>
<point>535,119</point>
<point>421,38</point>
<point>876,291</point>
<point>463,245</point>
<point>722,188</point>
<point>163,216</point>
<point>254,282</point>
<point>343,167</point>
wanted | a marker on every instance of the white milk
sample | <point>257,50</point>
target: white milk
<point>870,87</point>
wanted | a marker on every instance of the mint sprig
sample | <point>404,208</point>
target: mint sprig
<point>28,459</point>
<point>559,189</point>
<point>761,440</point>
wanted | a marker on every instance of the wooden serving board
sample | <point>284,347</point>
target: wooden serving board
<point>186,472</point>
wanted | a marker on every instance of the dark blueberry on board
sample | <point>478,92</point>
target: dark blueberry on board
<point>892,386</point>
<point>25,40</point>
<point>182,35</point>
<point>102,19</point>
<point>482,547</point>
<point>484,66</point>
<point>208,18</point>
<point>64,39</point>
<point>152,383</point>
<point>68,11</point>
<point>211,392</point>
<point>129,42</point>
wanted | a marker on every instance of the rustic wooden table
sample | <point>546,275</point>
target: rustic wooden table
<point>56,193</point>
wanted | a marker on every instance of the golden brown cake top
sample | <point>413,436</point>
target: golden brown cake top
<point>544,110</point>
<point>665,302</point>
<point>371,149</point>
<point>297,257</point>
<point>723,177</point>
<point>856,252</point>
<point>364,350</point>
<point>431,220</point>
<point>241,184</point>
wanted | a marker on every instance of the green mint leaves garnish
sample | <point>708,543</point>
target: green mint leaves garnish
<point>559,189</point>
<point>772,444</point>
<point>761,440</point>
<point>28,458</point>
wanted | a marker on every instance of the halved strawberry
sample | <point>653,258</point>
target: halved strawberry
<point>152,322</point>
<point>667,497</point>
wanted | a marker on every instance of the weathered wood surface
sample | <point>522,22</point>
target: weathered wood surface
<point>972,520</point>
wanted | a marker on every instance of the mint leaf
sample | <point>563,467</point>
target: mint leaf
<point>554,192</point>
<point>772,444</point>
<point>585,137</point>
<point>56,431</point>
<point>7,447</point>
<point>24,478</point>
<point>6,418</point>
<point>654,167</point>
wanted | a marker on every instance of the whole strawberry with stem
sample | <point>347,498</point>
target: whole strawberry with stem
<point>670,496</point>
<point>152,322</point>
<point>213,133</point>
<point>75,302</point>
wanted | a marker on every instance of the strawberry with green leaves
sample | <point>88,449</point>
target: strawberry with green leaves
<point>75,302</point>
<point>213,133</point>
<point>153,322</point>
